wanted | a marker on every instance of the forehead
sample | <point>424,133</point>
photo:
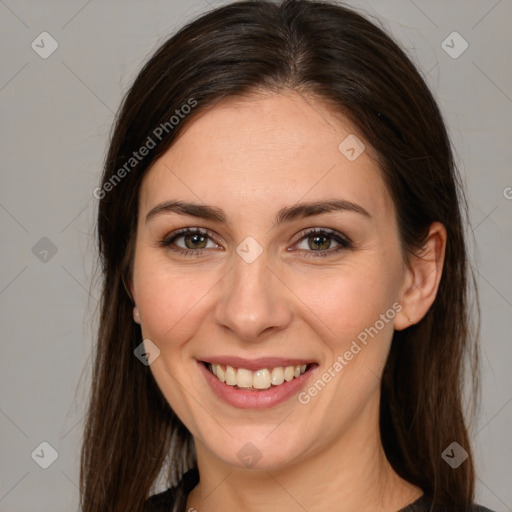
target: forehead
<point>266,151</point>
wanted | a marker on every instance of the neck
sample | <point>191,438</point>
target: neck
<point>352,474</point>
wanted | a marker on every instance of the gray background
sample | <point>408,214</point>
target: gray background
<point>56,115</point>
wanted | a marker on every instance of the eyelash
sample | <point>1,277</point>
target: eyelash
<point>345,242</point>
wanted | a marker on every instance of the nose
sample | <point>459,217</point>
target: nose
<point>255,302</point>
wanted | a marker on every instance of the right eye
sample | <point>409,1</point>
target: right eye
<point>194,240</point>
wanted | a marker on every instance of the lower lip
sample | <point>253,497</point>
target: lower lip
<point>256,399</point>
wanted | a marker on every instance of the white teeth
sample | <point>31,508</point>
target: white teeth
<point>260,379</point>
<point>289,373</point>
<point>277,376</point>
<point>230,376</point>
<point>244,378</point>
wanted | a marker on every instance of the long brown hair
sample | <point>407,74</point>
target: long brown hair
<point>330,52</point>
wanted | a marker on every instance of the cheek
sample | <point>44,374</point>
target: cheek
<point>172,308</point>
<point>357,309</point>
<point>170,300</point>
<point>348,300</point>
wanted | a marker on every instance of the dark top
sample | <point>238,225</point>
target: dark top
<point>164,501</point>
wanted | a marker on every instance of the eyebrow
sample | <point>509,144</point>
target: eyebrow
<point>286,214</point>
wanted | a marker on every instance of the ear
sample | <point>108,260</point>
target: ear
<point>136,312</point>
<point>422,278</point>
<point>129,286</point>
<point>132,290</point>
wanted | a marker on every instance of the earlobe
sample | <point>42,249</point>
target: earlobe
<point>136,315</point>
<point>136,312</point>
<point>422,280</point>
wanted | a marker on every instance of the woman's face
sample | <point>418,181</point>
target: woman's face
<point>257,292</point>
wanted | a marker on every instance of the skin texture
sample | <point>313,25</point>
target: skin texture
<point>251,158</point>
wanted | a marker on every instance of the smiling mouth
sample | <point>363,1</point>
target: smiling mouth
<point>259,380</point>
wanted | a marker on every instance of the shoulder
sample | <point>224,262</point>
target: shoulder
<point>164,501</point>
<point>161,502</point>
<point>424,504</point>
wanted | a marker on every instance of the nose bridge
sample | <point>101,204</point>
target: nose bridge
<point>252,299</point>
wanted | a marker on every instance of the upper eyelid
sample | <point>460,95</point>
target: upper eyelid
<point>179,233</point>
<point>299,236</point>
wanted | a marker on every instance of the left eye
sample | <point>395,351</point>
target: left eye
<point>319,240</point>
<point>322,239</point>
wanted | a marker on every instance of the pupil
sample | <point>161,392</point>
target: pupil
<point>196,239</point>
<point>317,240</point>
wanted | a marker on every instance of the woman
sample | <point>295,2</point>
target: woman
<point>284,316</point>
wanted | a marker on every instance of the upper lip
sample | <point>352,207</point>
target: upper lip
<point>255,364</point>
